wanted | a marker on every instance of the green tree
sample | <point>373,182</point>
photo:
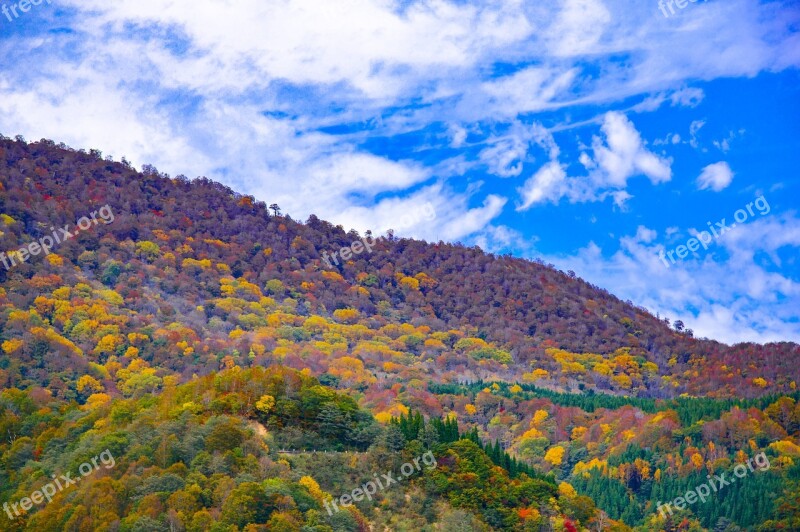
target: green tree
<point>393,438</point>
<point>225,436</point>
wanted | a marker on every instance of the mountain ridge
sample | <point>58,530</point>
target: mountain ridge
<point>541,316</point>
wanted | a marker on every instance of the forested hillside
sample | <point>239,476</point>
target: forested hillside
<point>194,333</point>
<point>176,245</point>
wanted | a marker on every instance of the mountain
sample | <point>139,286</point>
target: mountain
<point>175,243</point>
<point>193,332</point>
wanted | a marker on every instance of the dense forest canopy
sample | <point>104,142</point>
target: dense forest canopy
<point>240,382</point>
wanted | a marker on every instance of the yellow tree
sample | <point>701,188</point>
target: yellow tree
<point>88,385</point>
<point>554,455</point>
<point>265,404</point>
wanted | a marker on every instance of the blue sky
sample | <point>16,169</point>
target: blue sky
<point>592,135</point>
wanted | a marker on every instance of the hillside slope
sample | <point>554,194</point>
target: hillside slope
<point>174,246</point>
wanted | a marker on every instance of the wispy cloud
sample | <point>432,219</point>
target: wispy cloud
<point>735,296</point>
<point>715,176</point>
<point>617,157</point>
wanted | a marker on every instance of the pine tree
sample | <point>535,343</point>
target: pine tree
<point>429,436</point>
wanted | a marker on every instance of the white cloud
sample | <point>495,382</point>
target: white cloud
<point>624,155</point>
<point>619,156</point>
<point>620,198</point>
<point>715,176</point>
<point>686,97</point>
<point>733,298</point>
<point>578,28</point>
<point>643,234</point>
<point>530,89</point>
<point>433,213</point>
<point>724,145</point>
<point>458,134</point>
<point>547,184</point>
<point>761,235</point>
<point>694,127</point>
<point>358,42</point>
<point>470,221</point>
<point>504,157</point>
<point>356,56</point>
<point>495,239</point>
<point>506,154</point>
<point>59,112</point>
